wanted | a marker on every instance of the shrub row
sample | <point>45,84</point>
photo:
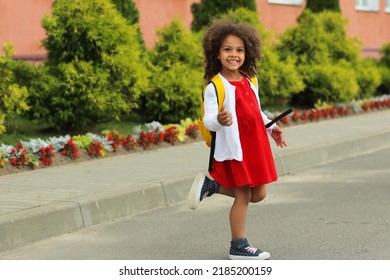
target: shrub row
<point>97,69</point>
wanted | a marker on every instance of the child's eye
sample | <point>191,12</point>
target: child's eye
<point>227,49</point>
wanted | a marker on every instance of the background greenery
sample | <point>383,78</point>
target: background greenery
<point>99,72</point>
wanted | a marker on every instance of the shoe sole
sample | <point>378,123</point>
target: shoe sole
<point>193,198</point>
<point>262,256</point>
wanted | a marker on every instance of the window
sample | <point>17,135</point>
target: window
<point>286,2</point>
<point>367,5</point>
<point>387,8</point>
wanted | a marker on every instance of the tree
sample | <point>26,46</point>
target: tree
<point>12,95</point>
<point>317,6</point>
<point>128,10</point>
<point>206,10</point>
<point>176,80</point>
<point>95,68</point>
<point>326,58</point>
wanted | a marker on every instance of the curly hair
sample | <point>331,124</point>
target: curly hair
<point>212,42</point>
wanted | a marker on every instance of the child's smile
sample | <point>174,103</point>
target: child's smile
<point>231,55</point>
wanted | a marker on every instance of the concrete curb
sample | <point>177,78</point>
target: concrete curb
<point>296,159</point>
<point>24,227</point>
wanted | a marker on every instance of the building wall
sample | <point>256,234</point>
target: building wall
<point>155,14</point>
<point>372,28</point>
<point>278,17</point>
<point>20,21</point>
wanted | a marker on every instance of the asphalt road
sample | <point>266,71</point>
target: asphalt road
<point>337,211</point>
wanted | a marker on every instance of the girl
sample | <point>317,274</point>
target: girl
<point>243,161</point>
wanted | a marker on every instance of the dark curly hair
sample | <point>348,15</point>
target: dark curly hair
<point>212,42</point>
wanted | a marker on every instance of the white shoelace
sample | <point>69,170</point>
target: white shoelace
<point>251,249</point>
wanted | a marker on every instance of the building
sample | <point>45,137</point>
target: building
<point>20,21</point>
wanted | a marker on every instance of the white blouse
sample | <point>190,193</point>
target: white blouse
<point>227,144</point>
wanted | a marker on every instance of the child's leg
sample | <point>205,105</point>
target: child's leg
<point>239,211</point>
<point>240,249</point>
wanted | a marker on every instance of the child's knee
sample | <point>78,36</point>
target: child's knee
<point>258,194</point>
<point>258,197</point>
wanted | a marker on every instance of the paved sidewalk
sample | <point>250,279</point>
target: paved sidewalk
<point>48,202</point>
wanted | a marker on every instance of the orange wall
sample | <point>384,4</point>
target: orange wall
<point>20,21</point>
<point>155,14</point>
<point>278,17</point>
<point>372,28</point>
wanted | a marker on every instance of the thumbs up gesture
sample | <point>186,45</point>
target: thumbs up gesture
<point>224,117</point>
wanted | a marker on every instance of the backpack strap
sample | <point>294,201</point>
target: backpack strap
<point>220,92</point>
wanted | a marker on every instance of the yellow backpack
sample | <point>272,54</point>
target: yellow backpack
<point>220,91</point>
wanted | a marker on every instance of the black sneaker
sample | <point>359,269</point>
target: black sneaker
<point>241,250</point>
<point>201,187</point>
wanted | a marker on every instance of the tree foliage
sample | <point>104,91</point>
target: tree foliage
<point>384,69</point>
<point>317,6</point>
<point>176,80</point>
<point>12,96</point>
<point>206,10</point>
<point>128,10</point>
<point>94,56</point>
<point>319,42</point>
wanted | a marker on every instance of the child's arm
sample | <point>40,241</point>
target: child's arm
<point>210,117</point>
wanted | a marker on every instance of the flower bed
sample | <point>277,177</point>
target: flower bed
<point>325,112</point>
<point>38,153</point>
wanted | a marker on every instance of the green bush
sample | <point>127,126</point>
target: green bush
<point>176,80</point>
<point>319,38</point>
<point>368,77</point>
<point>278,81</point>
<point>12,96</point>
<point>128,10</point>
<point>317,6</point>
<point>384,87</point>
<point>385,59</point>
<point>330,83</point>
<point>327,59</point>
<point>94,55</point>
<point>384,69</point>
<point>205,11</point>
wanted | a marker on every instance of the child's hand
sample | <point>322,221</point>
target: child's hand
<point>277,135</point>
<point>225,117</point>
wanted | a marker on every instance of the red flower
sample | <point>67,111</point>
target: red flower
<point>304,116</point>
<point>70,149</point>
<point>115,138</point>
<point>128,143</point>
<point>192,130</point>
<point>295,116</point>
<point>46,155</point>
<point>18,156</point>
<point>95,149</point>
<point>171,135</point>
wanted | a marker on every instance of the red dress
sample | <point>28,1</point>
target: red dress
<point>257,167</point>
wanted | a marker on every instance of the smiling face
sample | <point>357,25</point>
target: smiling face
<point>231,55</point>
